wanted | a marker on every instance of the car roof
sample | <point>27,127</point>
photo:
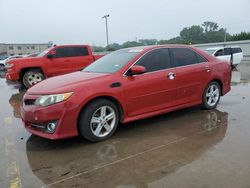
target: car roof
<point>220,47</point>
<point>215,48</point>
<point>158,46</point>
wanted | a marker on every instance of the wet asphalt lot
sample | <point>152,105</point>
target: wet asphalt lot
<point>187,148</point>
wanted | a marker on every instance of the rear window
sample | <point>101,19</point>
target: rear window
<point>236,50</point>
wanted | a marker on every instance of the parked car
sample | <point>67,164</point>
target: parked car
<point>54,61</point>
<point>4,61</point>
<point>123,86</point>
<point>233,55</point>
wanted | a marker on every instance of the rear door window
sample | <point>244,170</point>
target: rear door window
<point>185,56</point>
<point>78,51</point>
<point>227,51</point>
<point>200,59</point>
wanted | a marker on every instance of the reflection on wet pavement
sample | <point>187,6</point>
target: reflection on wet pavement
<point>187,148</point>
<point>136,155</point>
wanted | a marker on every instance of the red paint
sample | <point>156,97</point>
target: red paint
<point>140,96</point>
<point>51,66</point>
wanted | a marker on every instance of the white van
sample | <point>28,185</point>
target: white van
<point>232,54</point>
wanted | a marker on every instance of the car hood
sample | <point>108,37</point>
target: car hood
<point>23,59</point>
<point>65,83</point>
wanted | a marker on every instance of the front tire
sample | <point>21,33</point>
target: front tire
<point>32,77</point>
<point>211,95</point>
<point>98,120</point>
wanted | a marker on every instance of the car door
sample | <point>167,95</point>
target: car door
<point>61,63</point>
<point>153,90</point>
<point>237,55</point>
<point>192,73</point>
<point>80,57</point>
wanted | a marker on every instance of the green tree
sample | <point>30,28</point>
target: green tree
<point>210,26</point>
<point>193,34</point>
<point>98,49</point>
<point>148,41</point>
<point>130,44</point>
<point>241,36</point>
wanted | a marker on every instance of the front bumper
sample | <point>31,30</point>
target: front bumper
<point>64,113</point>
<point>12,75</point>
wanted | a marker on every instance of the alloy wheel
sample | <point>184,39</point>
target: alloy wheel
<point>103,121</point>
<point>212,95</point>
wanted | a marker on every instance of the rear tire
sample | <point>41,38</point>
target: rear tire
<point>211,95</point>
<point>98,120</point>
<point>32,77</point>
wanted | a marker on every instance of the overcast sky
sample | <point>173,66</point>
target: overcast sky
<point>79,21</point>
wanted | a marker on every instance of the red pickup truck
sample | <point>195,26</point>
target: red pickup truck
<point>54,61</point>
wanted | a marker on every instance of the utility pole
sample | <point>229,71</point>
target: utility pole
<point>107,32</point>
<point>225,36</point>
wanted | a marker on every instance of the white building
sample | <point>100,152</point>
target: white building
<point>23,49</point>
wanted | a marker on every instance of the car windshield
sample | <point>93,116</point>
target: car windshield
<point>211,52</point>
<point>44,52</point>
<point>113,61</point>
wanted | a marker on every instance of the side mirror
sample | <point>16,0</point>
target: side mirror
<point>50,56</point>
<point>137,69</point>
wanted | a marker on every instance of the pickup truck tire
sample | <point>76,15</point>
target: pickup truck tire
<point>32,77</point>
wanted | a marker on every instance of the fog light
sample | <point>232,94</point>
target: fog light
<point>51,127</point>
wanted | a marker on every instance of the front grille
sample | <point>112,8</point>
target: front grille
<point>29,101</point>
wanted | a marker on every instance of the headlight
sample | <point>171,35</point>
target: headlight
<point>9,65</point>
<point>47,100</point>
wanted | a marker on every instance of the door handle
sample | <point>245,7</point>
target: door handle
<point>207,69</point>
<point>171,76</point>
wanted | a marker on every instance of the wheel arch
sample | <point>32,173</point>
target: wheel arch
<point>24,70</point>
<point>220,83</point>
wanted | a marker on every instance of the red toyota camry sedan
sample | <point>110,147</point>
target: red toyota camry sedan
<point>124,86</point>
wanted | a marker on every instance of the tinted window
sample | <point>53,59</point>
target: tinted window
<point>200,59</point>
<point>236,50</point>
<point>156,60</point>
<point>62,52</point>
<point>219,53</point>
<point>184,56</point>
<point>79,51</point>
<point>112,62</point>
<point>227,51</point>
<point>71,52</point>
